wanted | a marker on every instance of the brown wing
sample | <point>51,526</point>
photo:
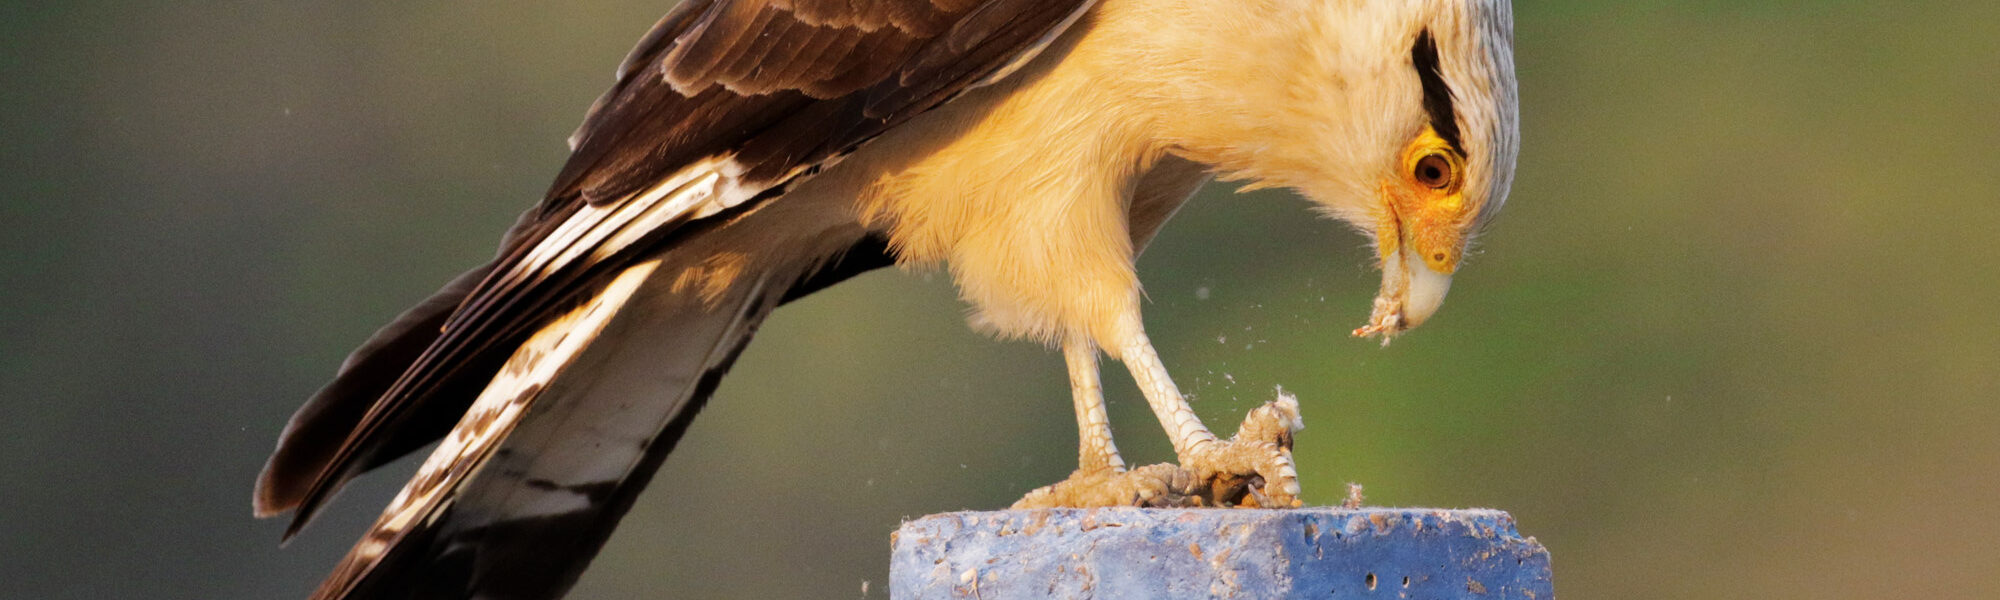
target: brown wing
<point>781,85</point>
<point>720,105</point>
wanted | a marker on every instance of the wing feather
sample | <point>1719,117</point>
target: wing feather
<point>728,31</point>
<point>492,416</point>
<point>749,94</point>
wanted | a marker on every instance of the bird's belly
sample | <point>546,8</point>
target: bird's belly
<point>1032,226</point>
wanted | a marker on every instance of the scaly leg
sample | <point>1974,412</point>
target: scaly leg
<point>1262,447</point>
<point>1095,451</point>
<point>1100,478</point>
<point>1264,443</point>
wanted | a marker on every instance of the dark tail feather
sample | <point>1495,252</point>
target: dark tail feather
<point>538,557</point>
<point>320,427</point>
<point>533,511</point>
<point>516,502</point>
<point>317,430</point>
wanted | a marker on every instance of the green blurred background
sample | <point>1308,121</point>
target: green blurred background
<point>1735,336</point>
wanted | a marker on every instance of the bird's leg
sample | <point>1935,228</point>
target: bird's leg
<point>1100,478</point>
<point>1095,450</point>
<point>1254,468</point>
<point>1262,448</point>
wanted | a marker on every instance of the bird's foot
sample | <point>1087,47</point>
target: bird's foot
<point>1157,486</point>
<point>1254,469</point>
<point>1251,470</point>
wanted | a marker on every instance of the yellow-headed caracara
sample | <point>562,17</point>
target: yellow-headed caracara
<point>753,151</point>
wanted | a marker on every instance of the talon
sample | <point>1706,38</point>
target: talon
<point>1160,486</point>
<point>1255,467</point>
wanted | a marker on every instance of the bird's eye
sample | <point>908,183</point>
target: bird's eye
<point>1434,171</point>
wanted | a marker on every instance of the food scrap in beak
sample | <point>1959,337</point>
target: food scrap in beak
<point>1411,293</point>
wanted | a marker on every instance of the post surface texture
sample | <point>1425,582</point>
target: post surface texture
<point>1218,553</point>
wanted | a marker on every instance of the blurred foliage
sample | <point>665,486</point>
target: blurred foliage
<point>1734,337</point>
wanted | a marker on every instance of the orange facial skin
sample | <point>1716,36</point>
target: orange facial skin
<point>1428,199</point>
<point>1424,231</point>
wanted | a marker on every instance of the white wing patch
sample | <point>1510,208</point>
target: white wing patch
<point>697,192</point>
<point>700,190</point>
<point>492,416</point>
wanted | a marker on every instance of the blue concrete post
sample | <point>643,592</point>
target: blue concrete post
<point>1218,553</point>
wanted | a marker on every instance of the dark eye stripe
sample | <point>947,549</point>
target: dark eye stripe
<point>1437,95</point>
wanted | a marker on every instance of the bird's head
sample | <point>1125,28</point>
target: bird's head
<point>1396,116</point>
<point>1430,129</point>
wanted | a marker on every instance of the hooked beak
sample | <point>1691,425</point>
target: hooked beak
<point>1411,292</point>
<point>1427,290</point>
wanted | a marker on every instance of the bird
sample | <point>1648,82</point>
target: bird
<point>751,152</point>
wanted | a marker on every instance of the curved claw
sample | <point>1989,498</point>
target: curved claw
<point>1254,469</point>
<point>1260,453</point>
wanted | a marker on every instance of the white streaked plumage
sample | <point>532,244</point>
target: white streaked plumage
<point>493,415</point>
